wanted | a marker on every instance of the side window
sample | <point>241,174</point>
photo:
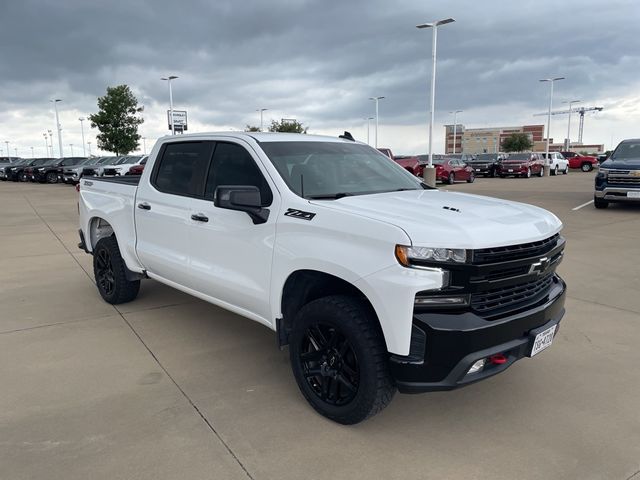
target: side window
<point>233,165</point>
<point>182,168</point>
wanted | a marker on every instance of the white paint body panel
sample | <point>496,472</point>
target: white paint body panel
<point>243,267</point>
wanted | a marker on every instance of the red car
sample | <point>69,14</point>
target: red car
<point>586,163</point>
<point>521,165</point>
<point>411,164</point>
<point>137,169</point>
<point>450,170</point>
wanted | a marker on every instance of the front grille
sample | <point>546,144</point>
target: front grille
<point>494,302</point>
<point>110,171</point>
<point>515,252</point>
<point>623,177</point>
<point>89,172</point>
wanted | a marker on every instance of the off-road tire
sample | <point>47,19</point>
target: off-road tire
<point>351,319</point>
<point>120,289</point>
<point>600,203</point>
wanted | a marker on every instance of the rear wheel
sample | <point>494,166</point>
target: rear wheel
<point>586,167</point>
<point>554,172</point>
<point>566,170</point>
<point>600,202</point>
<point>339,359</point>
<point>109,271</point>
<point>528,174</point>
<point>472,178</point>
<point>452,178</point>
<point>503,176</point>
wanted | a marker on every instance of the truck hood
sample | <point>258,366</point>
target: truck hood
<point>626,164</point>
<point>438,218</point>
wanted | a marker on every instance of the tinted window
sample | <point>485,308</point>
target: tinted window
<point>182,168</point>
<point>519,156</point>
<point>233,165</point>
<point>627,150</point>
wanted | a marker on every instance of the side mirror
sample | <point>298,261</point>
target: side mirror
<point>243,198</point>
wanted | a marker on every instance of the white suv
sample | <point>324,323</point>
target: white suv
<point>557,163</point>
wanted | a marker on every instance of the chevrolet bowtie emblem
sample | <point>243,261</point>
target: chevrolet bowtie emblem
<point>540,266</point>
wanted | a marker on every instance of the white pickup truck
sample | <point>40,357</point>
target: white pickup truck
<point>375,281</point>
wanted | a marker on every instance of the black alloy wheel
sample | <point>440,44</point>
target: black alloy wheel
<point>110,273</point>
<point>105,278</point>
<point>330,364</point>
<point>52,177</point>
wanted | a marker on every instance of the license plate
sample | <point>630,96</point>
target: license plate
<point>477,169</point>
<point>511,170</point>
<point>543,340</point>
<point>633,194</point>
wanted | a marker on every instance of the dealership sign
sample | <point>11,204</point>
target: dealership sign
<point>179,120</point>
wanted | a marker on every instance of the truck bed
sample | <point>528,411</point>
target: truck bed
<point>126,179</point>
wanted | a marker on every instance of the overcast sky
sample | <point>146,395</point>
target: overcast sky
<point>318,62</point>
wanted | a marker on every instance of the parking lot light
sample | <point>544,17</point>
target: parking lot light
<point>82,119</point>
<point>71,145</point>
<point>168,79</point>
<point>89,145</point>
<point>55,106</point>
<point>6,142</point>
<point>368,127</point>
<point>261,110</point>
<point>429,172</point>
<point>547,168</point>
<point>376,99</point>
<point>455,125</point>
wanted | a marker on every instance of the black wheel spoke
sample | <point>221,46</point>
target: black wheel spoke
<point>313,372</point>
<point>348,370</point>
<point>324,393</point>
<point>346,382</point>
<point>312,356</point>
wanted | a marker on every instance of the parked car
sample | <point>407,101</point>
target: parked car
<point>386,152</point>
<point>521,165</point>
<point>557,163</point>
<point>24,172</point>
<point>340,252</point>
<point>73,173</point>
<point>586,163</point>
<point>138,168</point>
<point>97,169</point>
<point>411,164</point>
<point>450,170</point>
<point>618,179</point>
<point>51,171</point>
<point>5,168</point>
<point>486,164</point>
<point>122,165</point>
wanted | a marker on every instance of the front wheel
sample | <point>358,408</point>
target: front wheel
<point>452,178</point>
<point>472,178</point>
<point>554,172</point>
<point>52,177</point>
<point>541,172</point>
<point>600,203</point>
<point>339,359</point>
<point>528,174</point>
<point>109,271</point>
<point>586,167</point>
<point>566,170</point>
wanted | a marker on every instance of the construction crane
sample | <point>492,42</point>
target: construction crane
<point>580,110</point>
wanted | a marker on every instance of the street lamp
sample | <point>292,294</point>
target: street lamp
<point>547,168</point>
<point>376,99</point>
<point>368,126</point>
<point>16,150</point>
<point>168,79</point>
<point>144,145</point>
<point>6,142</point>
<point>46,145</point>
<point>71,145</point>
<point>455,126</point>
<point>89,144</point>
<point>32,154</point>
<point>261,110</point>
<point>568,147</point>
<point>55,106</point>
<point>82,119</point>
<point>429,171</point>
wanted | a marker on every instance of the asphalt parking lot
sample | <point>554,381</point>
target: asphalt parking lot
<point>170,387</point>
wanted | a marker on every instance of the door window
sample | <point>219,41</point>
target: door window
<point>182,168</point>
<point>233,165</point>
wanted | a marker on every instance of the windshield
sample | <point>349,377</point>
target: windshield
<point>486,157</point>
<point>108,161</point>
<point>128,160</point>
<point>627,151</point>
<point>39,161</point>
<point>336,169</point>
<point>518,156</point>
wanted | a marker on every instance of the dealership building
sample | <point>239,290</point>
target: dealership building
<point>489,139</point>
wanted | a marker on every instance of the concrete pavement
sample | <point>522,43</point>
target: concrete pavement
<point>170,387</point>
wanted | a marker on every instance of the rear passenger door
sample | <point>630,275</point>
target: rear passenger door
<point>163,208</point>
<point>230,255</point>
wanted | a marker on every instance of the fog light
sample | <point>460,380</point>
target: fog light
<point>477,367</point>
<point>446,301</point>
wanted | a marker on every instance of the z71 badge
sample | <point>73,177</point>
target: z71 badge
<point>292,212</point>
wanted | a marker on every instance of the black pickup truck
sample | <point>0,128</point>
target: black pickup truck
<point>618,179</point>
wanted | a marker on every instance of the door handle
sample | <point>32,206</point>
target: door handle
<point>200,218</point>
<point>144,206</point>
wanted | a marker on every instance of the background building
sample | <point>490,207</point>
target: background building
<point>489,139</point>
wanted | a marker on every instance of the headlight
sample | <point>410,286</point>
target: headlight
<point>409,256</point>
<point>41,169</point>
<point>603,172</point>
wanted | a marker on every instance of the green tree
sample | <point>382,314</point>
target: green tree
<point>251,128</point>
<point>290,126</point>
<point>117,120</point>
<point>517,142</point>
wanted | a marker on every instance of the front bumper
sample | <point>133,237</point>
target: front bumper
<point>446,345</point>
<point>617,194</point>
<point>514,170</point>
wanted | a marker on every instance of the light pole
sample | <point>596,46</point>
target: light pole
<point>144,145</point>
<point>50,142</point>
<point>376,99</point>
<point>16,150</point>
<point>32,154</point>
<point>429,171</point>
<point>168,79</point>
<point>46,145</point>
<point>455,126</point>
<point>89,144</point>
<point>368,127</point>
<point>547,168</point>
<point>568,146</point>
<point>6,142</point>
<point>84,153</point>
<point>261,110</point>
<point>71,145</point>
<point>55,106</point>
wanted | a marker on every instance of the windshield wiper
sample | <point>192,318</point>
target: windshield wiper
<point>331,196</point>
